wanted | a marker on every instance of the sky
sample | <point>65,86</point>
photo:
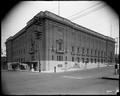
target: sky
<point>100,18</point>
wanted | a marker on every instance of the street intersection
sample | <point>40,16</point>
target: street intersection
<point>80,82</point>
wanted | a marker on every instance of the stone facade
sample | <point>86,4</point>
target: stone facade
<point>61,44</point>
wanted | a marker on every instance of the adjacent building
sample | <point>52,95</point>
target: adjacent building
<point>3,63</point>
<point>50,42</point>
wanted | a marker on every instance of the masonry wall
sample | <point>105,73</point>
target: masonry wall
<point>26,48</point>
<point>86,46</point>
<point>77,47</point>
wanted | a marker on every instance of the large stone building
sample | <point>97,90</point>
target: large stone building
<point>57,42</point>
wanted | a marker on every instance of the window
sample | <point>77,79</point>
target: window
<point>78,49</point>
<point>32,57</point>
<point>78,59</point>
<point>72,49</point>
<point>83,51</point>
<point>66,58</point>
<point>104,54</point>
<point>60,46</point>
<point>24,51</point>
<point>98,53</point>
<point>60,58</point>
<point>52,48</point>
<point>98,60</point>
<point>73,59</point>
<point>87,51</point>
<point>57,58</point>
<point>87,60</point>
<point>95,52</point>
<point>104,60</point>
<point>101,53</point>
<point>101,60</point>
<point>52,57</point>
<point>82,60</point>
<point>91,52</point>
<point>91,60</point>
<point>95,60</point>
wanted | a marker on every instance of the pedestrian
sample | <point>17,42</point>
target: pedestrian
<point>86,64</point>
<point>116,68</point>
<point>55,69</point>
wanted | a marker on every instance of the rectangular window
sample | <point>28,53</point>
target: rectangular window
<point>87,51</point>
<point>60,46</point>
<point>98,60</point>
<point>98,53</point>
<point>57,58</point>
<point>91,60</point>
<point>66,58</point>
<point>82,60</point>
<point>78,59</point>
<point>83,51</point>
<point>72,49</point>
<point>73,59</point>
<point>52,48</point>
<point>24,51</point>
<point>95,60</point>
<point>91,52</point>
<point>87,60</point>
<point>52,57</point>
<point>95,52</point>
<point>101,53</point>
<point>78,50</point>
<point>60,58</point>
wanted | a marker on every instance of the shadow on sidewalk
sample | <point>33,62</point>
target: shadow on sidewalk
<point>114,77</point>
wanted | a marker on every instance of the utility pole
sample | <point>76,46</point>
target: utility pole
<point>39,57</point>
<point>38,37</point>
<point>116,49</point>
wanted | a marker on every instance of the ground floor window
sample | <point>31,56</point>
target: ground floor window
<point>98,60</point>
<point>72,59</point>
<point>66,58</point>
<point>60,58</point>
<point>78,59</point>
<point>91,60</point>
<point>101,60</point>
<point>52,57</point>
<point>87,60</point>
<point>82,60</point>
<point>95,60</point>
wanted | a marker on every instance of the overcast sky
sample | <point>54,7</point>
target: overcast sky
<point>100,18</point>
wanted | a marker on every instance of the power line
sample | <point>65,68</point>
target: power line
<point>59,8</point>
<point>85,9</point>
<point>88,12</point>
<point>111,29</point>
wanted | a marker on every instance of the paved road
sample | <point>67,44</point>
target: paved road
<point>77,82</point>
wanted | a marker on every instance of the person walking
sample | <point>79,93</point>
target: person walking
<point>55,69</point>
<point>116,68</point>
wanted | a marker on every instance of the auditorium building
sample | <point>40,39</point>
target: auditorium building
<point>49,42</point>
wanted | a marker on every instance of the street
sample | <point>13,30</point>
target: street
<point>74,82</point>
